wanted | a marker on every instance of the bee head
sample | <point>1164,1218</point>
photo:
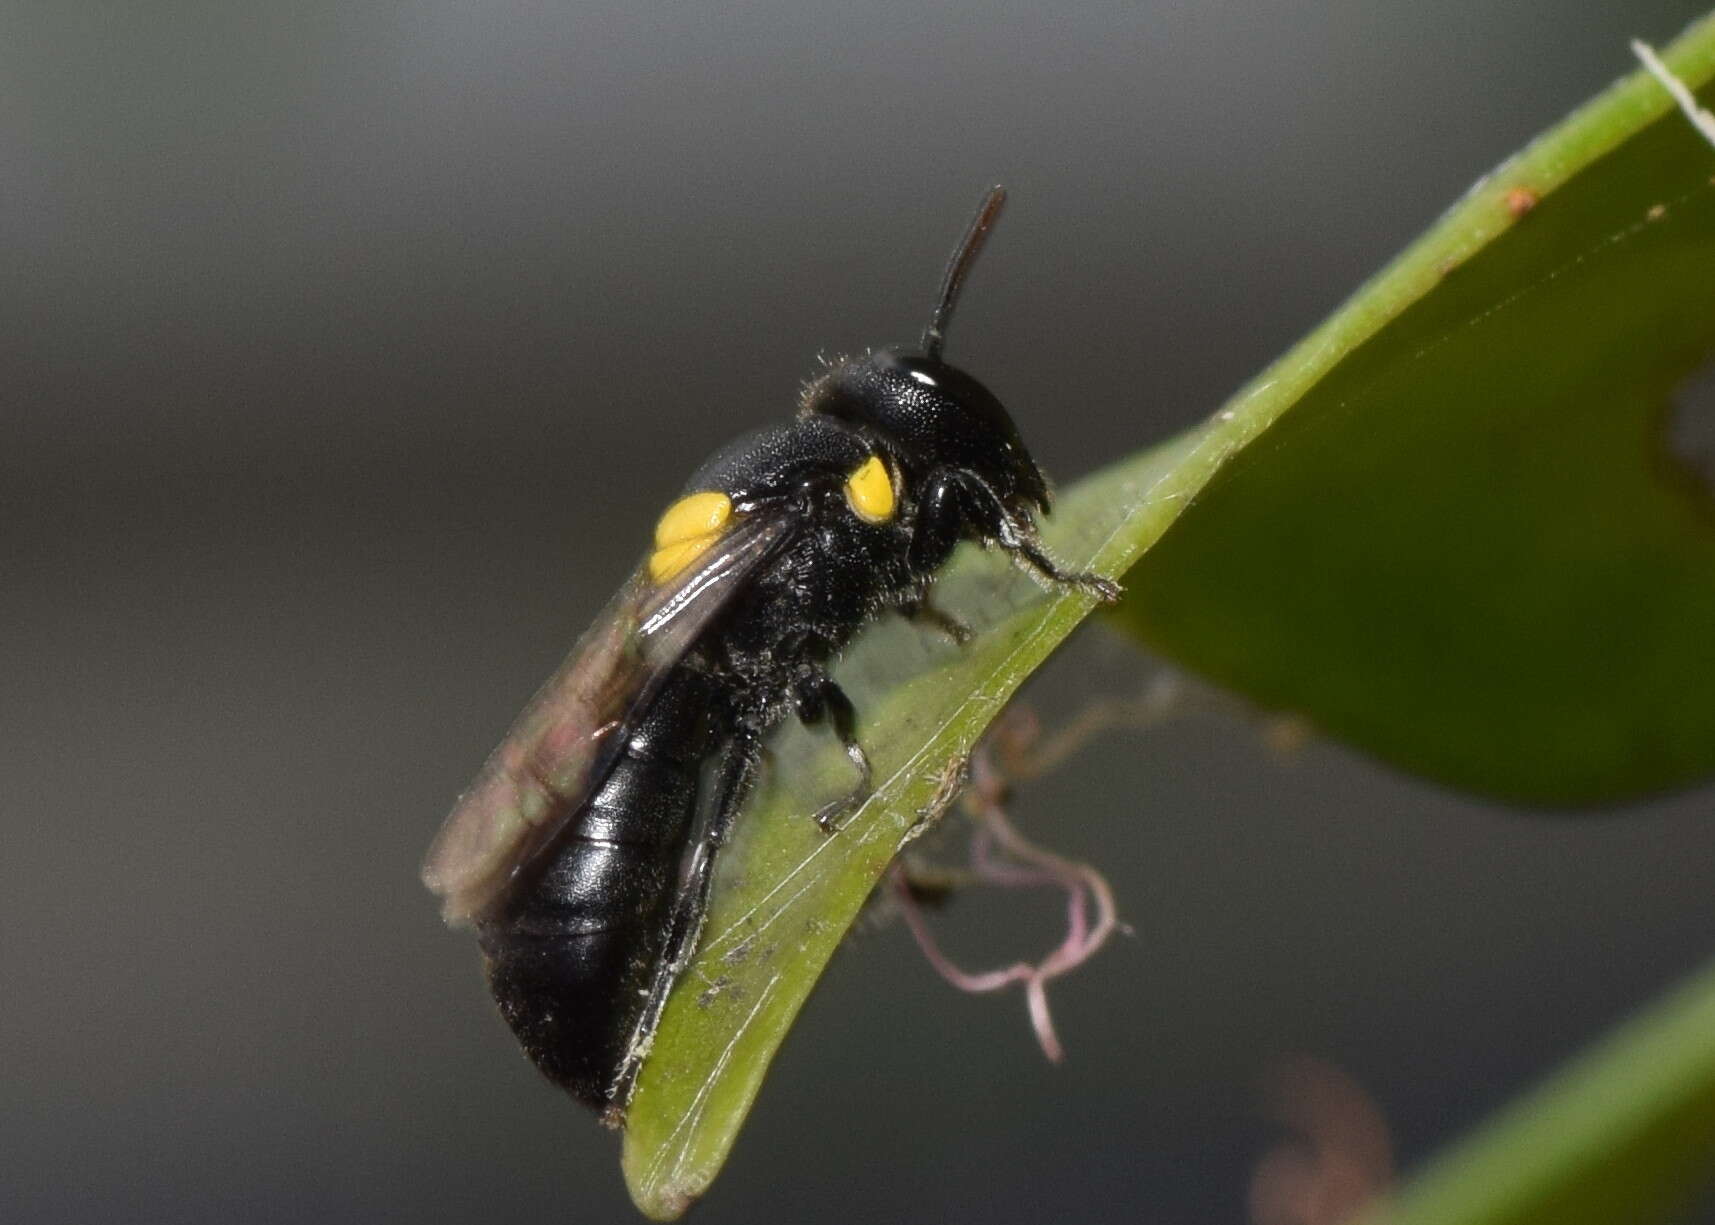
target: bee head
<point>931,415</point>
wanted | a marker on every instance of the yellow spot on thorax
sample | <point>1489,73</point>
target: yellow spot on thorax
<point>870,491</point>
<point>695,514</point>
<point>686,530</point>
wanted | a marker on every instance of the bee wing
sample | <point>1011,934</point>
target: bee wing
<point>564,743</point>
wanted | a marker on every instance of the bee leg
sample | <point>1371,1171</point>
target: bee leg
<point>924,612</point>
<point>954,501</point>
<point>940,521</point>
<point>1018,537</point>
<point>1029,554</point>
<point>736,777</point>
<point>815,697</point>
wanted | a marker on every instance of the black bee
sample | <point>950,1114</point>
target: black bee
<point>584,851</point>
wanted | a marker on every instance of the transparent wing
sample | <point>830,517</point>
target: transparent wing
<point>564,743</point>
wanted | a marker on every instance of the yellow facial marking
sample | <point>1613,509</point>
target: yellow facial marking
<point>686,530</point>
<point>870,491</point>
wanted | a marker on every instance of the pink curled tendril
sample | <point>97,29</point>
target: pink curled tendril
<point>1003,857</point>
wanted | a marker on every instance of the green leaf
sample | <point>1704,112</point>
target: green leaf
<point>785,893</point>
<point>1623,1134</point>
<point>1464,544</point>
<point>1380,410</point>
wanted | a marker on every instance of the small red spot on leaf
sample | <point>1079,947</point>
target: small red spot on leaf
<point>1520,200</point>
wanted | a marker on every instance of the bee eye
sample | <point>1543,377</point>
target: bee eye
<point>869,490</point>
<point>686,530</point>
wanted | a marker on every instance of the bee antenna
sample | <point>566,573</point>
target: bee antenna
<point>935,335</point>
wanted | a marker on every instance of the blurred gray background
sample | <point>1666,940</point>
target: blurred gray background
<point>347,353</point>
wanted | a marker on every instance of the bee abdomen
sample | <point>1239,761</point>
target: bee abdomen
<point>571,955</point>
